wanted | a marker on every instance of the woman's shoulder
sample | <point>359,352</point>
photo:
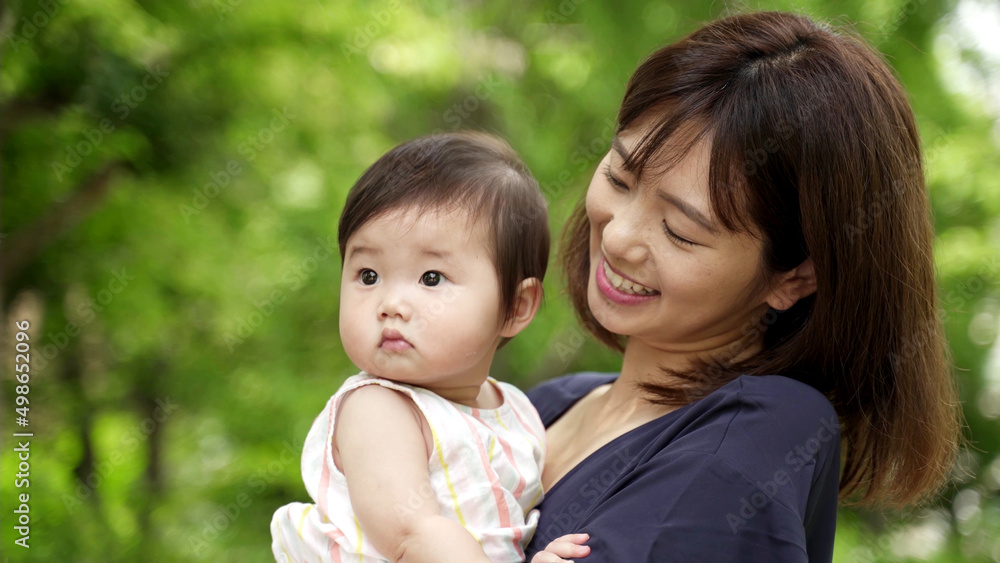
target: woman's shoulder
<point>762,424</point>
<point>785,401</point>
<point>772,409</point>
<point>781,389</point>
<point>764,432</point>
<point>553,397</point>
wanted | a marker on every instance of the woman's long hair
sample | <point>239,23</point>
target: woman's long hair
<point>815,151</point>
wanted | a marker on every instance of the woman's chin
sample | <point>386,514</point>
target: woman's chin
<point>609,320</point>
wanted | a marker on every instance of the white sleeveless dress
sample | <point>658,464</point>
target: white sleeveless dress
<point>485,472</point>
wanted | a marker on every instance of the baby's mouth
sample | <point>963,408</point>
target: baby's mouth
<point>394,341</point>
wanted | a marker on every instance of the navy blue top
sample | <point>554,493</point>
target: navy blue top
<point>748,473</point>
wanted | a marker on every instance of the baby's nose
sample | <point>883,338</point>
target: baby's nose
<point>395,304</point>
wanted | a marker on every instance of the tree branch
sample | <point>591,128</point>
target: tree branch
<point>28,243</point>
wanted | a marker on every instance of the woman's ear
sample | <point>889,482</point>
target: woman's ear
<point>526,302</point>
<point>793,285</point>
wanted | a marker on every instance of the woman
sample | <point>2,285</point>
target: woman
<point>757,243</point>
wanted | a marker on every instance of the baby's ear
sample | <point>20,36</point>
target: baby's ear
<point>526,302</point>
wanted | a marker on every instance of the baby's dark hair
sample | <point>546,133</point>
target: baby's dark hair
<point>472,171</point>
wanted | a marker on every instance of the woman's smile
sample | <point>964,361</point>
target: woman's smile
<point>618,289</point>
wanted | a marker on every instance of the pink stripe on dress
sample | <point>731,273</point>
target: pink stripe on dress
<point>517,413</point>
<point>324,479</point>
<point>333,545</point>
<point>509,454</point>
<point>502,509</point>
<point>335,551</point>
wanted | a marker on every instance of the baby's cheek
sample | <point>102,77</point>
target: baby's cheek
<point>353,341</point>
<point>353,350</point>
<point>474,338</point>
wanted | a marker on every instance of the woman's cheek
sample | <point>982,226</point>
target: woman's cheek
<point>596,208</point>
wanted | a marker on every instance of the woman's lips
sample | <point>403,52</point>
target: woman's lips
<point>614,294</point>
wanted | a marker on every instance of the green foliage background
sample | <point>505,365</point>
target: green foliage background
<point>172,177</point>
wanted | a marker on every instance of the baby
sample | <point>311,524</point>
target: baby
<point>423,456</point>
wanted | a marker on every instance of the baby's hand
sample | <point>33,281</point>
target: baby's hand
<point>570,545</point>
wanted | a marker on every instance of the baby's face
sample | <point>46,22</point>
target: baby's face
<point>419,299</point>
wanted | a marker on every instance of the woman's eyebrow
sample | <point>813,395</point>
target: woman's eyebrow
<point>691,211</point>
<point>619,147</point>
<point>687,209</point>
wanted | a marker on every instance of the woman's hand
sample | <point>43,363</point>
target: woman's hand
<point>570,545</point>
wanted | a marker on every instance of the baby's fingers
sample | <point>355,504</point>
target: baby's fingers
<point>570,545</point>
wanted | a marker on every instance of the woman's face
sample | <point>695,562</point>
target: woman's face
<point>662,268</point>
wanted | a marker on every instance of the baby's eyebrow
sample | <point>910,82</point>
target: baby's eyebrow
<point>442,254</point>
<point>355,250</point>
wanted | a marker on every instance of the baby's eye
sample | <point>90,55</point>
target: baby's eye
<point>431,278</point>
<point>368,277</point>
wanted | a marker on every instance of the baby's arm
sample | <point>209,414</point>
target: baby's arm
<point>383,454</point>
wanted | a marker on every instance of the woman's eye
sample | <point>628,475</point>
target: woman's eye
<point>368,277</point>
<point>614,181</point>
<point>672,235</point>
<point>431,278</point>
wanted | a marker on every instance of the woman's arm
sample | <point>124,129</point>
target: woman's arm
<point>383,454</point>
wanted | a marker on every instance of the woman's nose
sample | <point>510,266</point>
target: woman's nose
<point>394,303</point>
<point>623,239</point>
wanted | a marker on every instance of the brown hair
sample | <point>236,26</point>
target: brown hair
<point>461,170</point>
<point>814,151</point>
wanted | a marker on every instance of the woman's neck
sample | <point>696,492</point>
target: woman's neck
<point>645,363</point>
